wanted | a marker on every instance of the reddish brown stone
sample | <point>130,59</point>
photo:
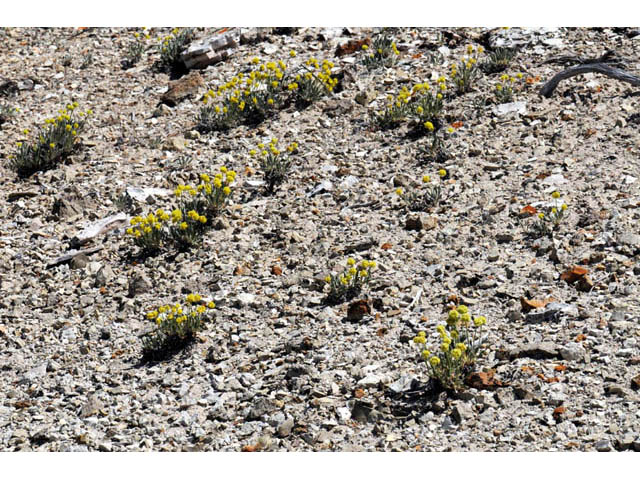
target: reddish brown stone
<point>187,86</point>
<point>483,381</point>
<point>559,412</point>
<point>574,274</point>
<point>351,47</point>
<point>276,270</point>
<point>358,309</point>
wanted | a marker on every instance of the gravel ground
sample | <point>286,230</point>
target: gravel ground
<point>278,368</point>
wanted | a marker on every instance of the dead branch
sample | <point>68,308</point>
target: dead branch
<point>609,57</point>
<point>602,68</point>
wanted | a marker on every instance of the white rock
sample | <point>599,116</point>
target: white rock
<point>349,182</point>
<point>344,414</point>
<point>513,107</point>
<point>245,299</point>
<point>371,380</point>
<point>141,194</point>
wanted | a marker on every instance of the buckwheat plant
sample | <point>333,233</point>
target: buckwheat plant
<point>383,52</point>
<point>504,88</point>
<point>210,196</point>
<point>436,148</point>
<point>275,164</point>
<point>312,82</point>
<point>246,98</point>
<point>547,223</point>
<point>498,60</point>
<point>6,112</point>
<point>424,199</point>
<point>349,283</point>
<point>176,326</point>
<point>171,48</point>
<point>251,98</point>
<point>156,230</point>
<point>427,102</point>
<point>461,344</point>
<point>87,61</point>
<point>187,230</point>
<point>396,111</point>
<point>466,71</point>
<point>149,232</point>
<point>54,142</point>
<point>135,50</point>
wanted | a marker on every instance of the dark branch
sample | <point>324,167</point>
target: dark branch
<point>602,68</point>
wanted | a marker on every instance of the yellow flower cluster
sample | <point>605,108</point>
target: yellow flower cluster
<point>141,226</point>
<point>174,315</point>
<point>271,148</point>
<point>353,272</point>
<point>168,38</point>
<point>55,140</point>
<point>214,189</point>
<point>323,73</point>
<point>243,90</point>
<point>63,119</point>
<point>459,346</point>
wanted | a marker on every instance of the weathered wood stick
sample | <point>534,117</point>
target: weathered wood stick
<point>607,70</point>
<point>607,57</point>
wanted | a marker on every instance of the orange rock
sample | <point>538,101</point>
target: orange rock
<point>483,381</point>
<point>528,305</point>
<point>574,274</point>
<point>358,309</point>
<point>559,412</point>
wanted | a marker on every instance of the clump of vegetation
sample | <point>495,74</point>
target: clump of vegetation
<point>396,111</point>
<point>185,226</point>
<point>420,200</point>
<point>6,113</point>
<point>171,48</point>
<point>504,88</point>
<point>312,82</point>
<point>154,231</point>
<point>274,163</point>
<point>460,346</point>
<point>176,326</point>
<point>436,148</point>
<point>87,61</point>
<point>547,223</point>
<point>253,97</point>
<point>498,60</point>
<point>427,102</point>
<point>210,195</point>
<point>422,104</point>
<point>135,50</point>
<point>464,73</point>
<point>350,282</point>
<point>54,142</point>
<point>383,52</point>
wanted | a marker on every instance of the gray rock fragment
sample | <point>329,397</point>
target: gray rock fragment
<point>574,352</point>
<point>104,276</point>
<point>403,384</point>
<point>462,411</point>
<point>139,283</point>
<point>284,429</point>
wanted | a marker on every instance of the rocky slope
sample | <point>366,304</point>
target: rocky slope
<point>278,368</point>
